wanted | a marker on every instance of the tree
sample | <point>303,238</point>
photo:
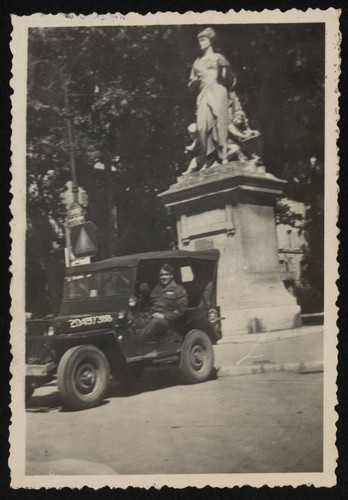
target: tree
<point>130,108</point>
<point>313,224</point>
<point>307,185</point>
<point>46,177</point>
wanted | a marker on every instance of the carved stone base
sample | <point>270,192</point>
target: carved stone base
<point>231,208</point>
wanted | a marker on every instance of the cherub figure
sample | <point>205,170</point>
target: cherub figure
<point>192,149</point>
<point>239,131</point>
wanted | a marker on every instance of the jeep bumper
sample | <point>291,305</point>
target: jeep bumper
<point>40,370</point>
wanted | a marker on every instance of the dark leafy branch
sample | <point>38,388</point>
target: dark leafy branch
<point>129,107</point>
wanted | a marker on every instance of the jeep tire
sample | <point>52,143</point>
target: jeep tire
<point>197,357</point>
<point>83,377</point>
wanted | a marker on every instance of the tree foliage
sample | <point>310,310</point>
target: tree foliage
<point>130,107</point>
<point>307,185</point>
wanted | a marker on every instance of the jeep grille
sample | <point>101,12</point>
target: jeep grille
<point>37,350</point>
<point>36,327</point>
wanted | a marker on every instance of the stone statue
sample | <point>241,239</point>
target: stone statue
<point>221,125</point>
<point>211,76</point>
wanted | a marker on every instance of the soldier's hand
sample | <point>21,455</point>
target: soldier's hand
<point>158,315</point>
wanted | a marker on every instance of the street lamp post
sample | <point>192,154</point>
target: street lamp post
<point>71,147</point>
<point>75,214</point>
<point>50,74</point>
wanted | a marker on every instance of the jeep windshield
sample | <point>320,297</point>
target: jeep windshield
<point>97,284</point>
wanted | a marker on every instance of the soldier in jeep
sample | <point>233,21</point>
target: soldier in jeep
<point>169,302</point>
<point>107,331</point>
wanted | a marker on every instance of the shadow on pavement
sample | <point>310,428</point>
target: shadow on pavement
<point>49,402</point>
<point>44,403</point>
<point>153,379</point>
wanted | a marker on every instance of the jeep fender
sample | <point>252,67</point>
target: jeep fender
<point>200,323</point>
<point>105,340</point>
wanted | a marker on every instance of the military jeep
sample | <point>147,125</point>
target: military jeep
<point>96,335</point>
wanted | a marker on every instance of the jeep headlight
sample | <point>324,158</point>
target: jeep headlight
<point>213,315</point>
<point>121,315</point>
<point>132,301</point>
<point>50,331</point>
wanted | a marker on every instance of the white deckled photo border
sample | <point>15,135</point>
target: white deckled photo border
<point>19,48</point>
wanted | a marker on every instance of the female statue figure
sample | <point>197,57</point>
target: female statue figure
<point>212,76</point>
<point>221,125</point>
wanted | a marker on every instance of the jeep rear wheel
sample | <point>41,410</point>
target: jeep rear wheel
<point>83,377</point>
<point>197,357</point>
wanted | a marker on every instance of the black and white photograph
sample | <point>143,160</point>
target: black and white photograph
<point>174,249</point>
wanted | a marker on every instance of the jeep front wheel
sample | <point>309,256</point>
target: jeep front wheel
<point>83,377</point>
<point>197,357</point>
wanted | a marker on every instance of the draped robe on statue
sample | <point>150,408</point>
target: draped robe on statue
<point>212,105</point>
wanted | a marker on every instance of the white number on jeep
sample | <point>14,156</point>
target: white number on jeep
<point>90,320</point>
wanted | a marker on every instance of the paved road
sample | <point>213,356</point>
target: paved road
<point>256,423</point>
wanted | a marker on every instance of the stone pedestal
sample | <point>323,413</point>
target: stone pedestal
<point>231,208</point>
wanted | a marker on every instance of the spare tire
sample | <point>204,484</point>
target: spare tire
<point>83,377</point>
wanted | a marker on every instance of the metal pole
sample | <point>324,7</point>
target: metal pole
<point>75,188</point>
<point>68,245</point>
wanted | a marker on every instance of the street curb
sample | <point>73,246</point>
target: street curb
<point>272,336</point>
<point>300,367</point>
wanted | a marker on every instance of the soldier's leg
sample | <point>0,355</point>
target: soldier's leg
<point>155,327</point>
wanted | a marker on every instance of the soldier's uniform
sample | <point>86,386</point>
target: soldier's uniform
<point>170,300</point>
